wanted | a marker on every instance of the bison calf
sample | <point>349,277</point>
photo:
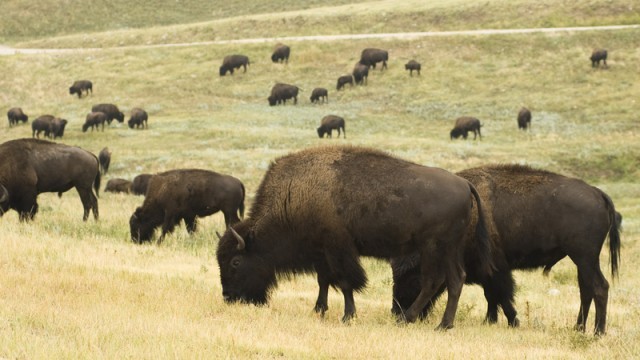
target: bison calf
<point>81,86</point>
<point>597,56</point>
<point>186,194</point>
<point>344,80</point>
<point>464,125</point>
<point>319,93</point>
<point>524,119</point>
<point>94,120</point>
<point>330,123</point>
<point>412,65</point>
<point>231,62</point>
<point>15,115</point>
<point>138,119</point>
<point>118,186</point>
<point>104,157</point>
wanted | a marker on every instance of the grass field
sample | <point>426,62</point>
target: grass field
<point>70,289</point>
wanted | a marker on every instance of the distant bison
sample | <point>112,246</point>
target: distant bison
<point>329,123</point>
<point>138,119</point>
<point>81,86</point>
<point>185,194</point>
<point>319,94</point>
<point>94,120</point>
<point>524,119</point>
<point>231,62</point>
<point>30,167</point>
<point>104,158</point>
<point>57,127</point>
<point>344,80</point>
<point>597,55</point>
<point>281,53</point>
<point>360,74</point>
<point>464,125</point>
<point>280,93</point>
<point>118,186</point>
<point>140,184</point>
<point>370,57</point>
<point>16,115</point>
<point>110,110</point>
<point>411,66</point>
<point>52,126</point>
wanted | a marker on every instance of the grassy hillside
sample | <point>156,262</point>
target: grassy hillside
<point>83,290</point>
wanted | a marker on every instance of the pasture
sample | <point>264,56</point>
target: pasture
<point>70,289</point>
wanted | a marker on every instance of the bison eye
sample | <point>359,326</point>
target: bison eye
<point>235,262</point>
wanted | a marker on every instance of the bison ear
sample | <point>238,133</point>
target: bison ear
<point>4,194</point>
<point>241,243</point>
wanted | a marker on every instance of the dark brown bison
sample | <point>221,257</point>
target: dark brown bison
<point>344,80</point>
<point>370,57</point>
<point>330,123</point>
<point>310,214</point>
<point>598,55</point>
<point>536,218</point>
<point>15,115</point>
<point>52,126</point>
<point>524,119</point>
<point>281,53</point>
<point>185,194</point>
<point>30,167</point>
<point>232,62</point>
<point>138,119</point>
<point>81,86</point>
<point>319,94</point>
<point>464,125</point>
<point>140,184</point>
<point>111,111</point>
<point>94,120</point>
<point>104,157</point>
<point>118,186</point>
<point>360,74</point>
<point>57,127</point>
<point>280,93</point>
<point>411,66</point>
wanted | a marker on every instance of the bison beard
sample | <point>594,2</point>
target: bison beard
<point>320,209</point>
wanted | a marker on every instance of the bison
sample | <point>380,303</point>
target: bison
<point>104,157</point>
<point>344,80</point>
<point>281,53</point>
<point>370,57</point>
<point>118,186</point>
<point>52,126</point>
<point>598,55</point>
<point>231,62</point>
<point>311,213</point>
<point>140,184</point>
<point>185,194</point>
<point>57,127</point>
<point>319,94</point>
<point>138,119</point>
<point>110,110</point>
<point>524,119</point>
<point>81,86</point>
<point>94,120</point>
<point>464,125</point>
<point>360,74</point>
<point>15,115</point>
<point>411,66</point>
<point>536,218</point>
<point>329,123</point>
<point>31,166</point>
<point>280,93</point>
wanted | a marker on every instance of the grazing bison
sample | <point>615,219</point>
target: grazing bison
<point>360,74</point>
<point>524,119</point>
<point>57,127</point>
<point>138,119</point>
<point>52,126</point>
<point>81,86</point>
<point>104,157</point>
<point>329,123</point>
<point>185,194</point>
<point>536,218</point>
<point>140,184</point>
<point>118,186</point>
<point>16,115</point>
<point>319,94</point>
<point>464,125</point>
<point>311,214</point>
<point>231,62</point>
<point>110,110</point>
<point>597,55</point>
<point>94,120</point>
<point>412,65</point>
<point>344,80</point>
<point>370,57</point>
<point>280,93</point>
<point>30,167</point>
<point>281,53</point>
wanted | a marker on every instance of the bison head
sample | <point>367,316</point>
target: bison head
<point>245,276</point>
<point>456,133</point>
<point>131,123</point>
<point>85,126</point>
<point>223,70</point>
<point>72,90</point>
<point>272,100</point>
<point>142,227</point>
<point>120,117</point>
<point>321,132</point>
<point>406,284</point>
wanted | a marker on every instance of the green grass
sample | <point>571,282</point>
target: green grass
<point>83,290</point>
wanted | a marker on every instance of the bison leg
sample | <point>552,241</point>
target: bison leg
<point>455,280</point>
<point>349,305</point>
<point>191,224</point>
<point>323,293</point>
<point>593,286</point>
<point>499,290</point>
<point>89,202</point>
<point>345,271</point>
<point>27,208</point>
<point>168,226</point>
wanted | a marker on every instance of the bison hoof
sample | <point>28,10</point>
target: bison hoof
<point>514,323</point>
<point>347,318</point>
<point>320,309</point>
<point>444,327</point>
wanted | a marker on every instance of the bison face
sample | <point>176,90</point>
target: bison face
<point>406,283</point>
<point>223,71</point>
<point>272,100</point>
<point>120,117</point>
<point>455,133</point>
<point>141,226</point>
<point>131,123</point>
<point>321,132</point>
<point>72,90</point>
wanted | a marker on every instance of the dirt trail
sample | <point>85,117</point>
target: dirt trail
<point>5,50</point>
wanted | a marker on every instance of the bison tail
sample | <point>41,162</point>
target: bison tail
<point>96,183</point>
<point>483,241</point>
<point>614,236</point>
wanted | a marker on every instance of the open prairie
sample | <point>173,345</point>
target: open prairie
<point>70,289</point>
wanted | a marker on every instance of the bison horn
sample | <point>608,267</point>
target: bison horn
<point>241,244</point>
<point>219,237</point>
<point>4,194</point>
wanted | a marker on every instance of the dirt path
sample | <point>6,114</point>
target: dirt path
<point>5,50</point>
